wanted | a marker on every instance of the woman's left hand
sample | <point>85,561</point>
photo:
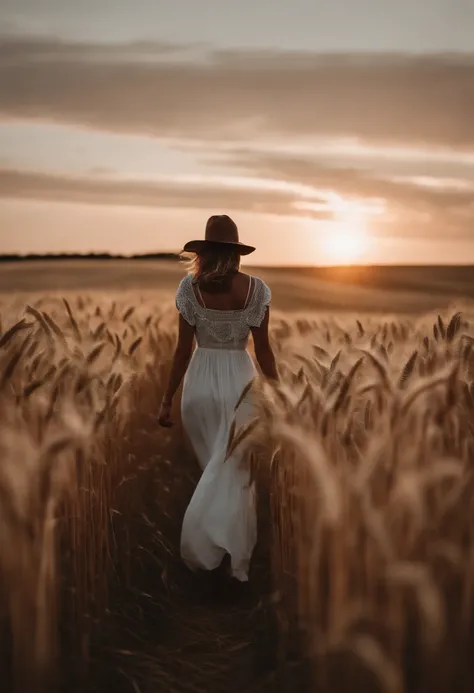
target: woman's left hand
<point>164,417</point>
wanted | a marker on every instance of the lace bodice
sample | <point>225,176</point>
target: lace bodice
<point>223,329</point>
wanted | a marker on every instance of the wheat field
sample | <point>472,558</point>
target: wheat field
<point>363,459</point>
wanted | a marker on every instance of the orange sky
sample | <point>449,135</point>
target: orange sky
<point>123,131</point>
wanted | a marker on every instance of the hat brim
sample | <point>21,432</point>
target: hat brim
<point>197,246</point>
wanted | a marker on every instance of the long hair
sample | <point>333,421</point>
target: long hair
<point>214,266</point>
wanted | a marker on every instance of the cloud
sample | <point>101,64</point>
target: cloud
<point>101,190</point>
<point>234,103</point>
<point>353,182</point>
<point>301,188</point>
<point>416,206</point>
<point>172,91</point>
<point>36,48</point>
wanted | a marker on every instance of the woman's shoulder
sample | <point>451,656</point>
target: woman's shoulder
<point>184,302</point>
<point>185,284</point>
<point>258,304</point>
<point>185,291</point>
<point>261,290</point>
<point>257,281</point>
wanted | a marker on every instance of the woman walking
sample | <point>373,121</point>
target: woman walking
<point>219,306</point>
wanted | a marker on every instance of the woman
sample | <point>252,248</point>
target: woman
<point>220,306</point>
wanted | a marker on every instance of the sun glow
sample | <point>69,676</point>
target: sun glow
<point>347,240</point>
<point>345,245</point>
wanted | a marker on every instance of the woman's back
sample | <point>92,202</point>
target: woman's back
<point>234,296</point>
<point>224,320</point>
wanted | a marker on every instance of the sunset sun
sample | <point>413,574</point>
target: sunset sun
<point>348,240</point>
<point>345,245</point>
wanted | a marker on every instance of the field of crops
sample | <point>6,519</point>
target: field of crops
<point>363,458</point>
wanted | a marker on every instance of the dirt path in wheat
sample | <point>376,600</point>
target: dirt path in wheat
<point>206,646</point>
<point>174,631</point>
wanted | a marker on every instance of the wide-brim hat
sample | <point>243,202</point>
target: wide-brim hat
<point>220,230</point>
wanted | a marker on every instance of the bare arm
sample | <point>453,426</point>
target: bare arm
<point>263,349</point>
<point>181,358</point>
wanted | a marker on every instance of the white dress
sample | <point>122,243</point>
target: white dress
<point>221,516</point>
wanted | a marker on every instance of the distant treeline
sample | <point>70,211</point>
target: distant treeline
<point>90,256</point>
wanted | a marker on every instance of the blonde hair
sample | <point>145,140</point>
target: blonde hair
<point>214,266</point>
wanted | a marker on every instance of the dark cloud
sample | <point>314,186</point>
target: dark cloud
<point>159,89</point>
<point>15,49</point>
<point>109,191</point>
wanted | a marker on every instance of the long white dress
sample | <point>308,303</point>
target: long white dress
<point>221,516</point>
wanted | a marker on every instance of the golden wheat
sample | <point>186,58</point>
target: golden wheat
<point>372,479</point>
<point>65,404</point>
<point>365,449</point>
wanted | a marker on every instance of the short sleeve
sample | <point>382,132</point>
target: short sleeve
<point>259,303</point>
<point>184,302</point>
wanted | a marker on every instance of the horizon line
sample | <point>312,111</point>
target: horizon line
<point>176,256</point>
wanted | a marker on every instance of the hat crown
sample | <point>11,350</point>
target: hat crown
<point>220,228</point>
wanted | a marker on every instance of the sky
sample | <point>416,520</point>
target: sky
<point>331,132</point>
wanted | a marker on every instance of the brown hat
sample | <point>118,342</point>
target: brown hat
<point>221,229</point>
